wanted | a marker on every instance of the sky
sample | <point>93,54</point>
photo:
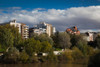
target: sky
<point>85,14</point>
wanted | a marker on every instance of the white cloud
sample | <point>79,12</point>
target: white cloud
<point>83,17</point>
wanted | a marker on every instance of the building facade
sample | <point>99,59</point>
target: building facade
<point>73,30</point>
<point>23,29</point>
<point>15,24</point>
<point>43,27</point>
<point>88,36</point>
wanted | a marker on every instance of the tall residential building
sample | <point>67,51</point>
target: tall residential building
<point>22,28</point>
<point>43,27</point>
<point>24,31</point>
<point>15,24</point>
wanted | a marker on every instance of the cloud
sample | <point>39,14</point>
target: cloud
<point>40,9</point>
<point>85,18</point>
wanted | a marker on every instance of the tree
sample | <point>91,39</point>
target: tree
<point>61,40</point>
<point>46,47</point>
<point>82,45</point>
<point>56,39</point>
<point>97,41</point>
<point>64,40</point>
<point>43,37</point>
<point>29,45</point>
<point>24,56</point>
<point>94,60</point>
<point>5,29</point>
<point>15,33</point>
<point>32,46</point>
<point>6,38</point>
<point>77,54</point>
<point>12,55</point>
<point>75,39</point>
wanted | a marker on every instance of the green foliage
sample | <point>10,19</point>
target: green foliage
<point>1,49</point>
<point>33,58</point>
<point>97,41</point>
<point>77,54</point>
<point>9,36</point>
<point>90,51</point>
<point>82,45</point>
<point>56,39</point>
<point>12,55</point>
<point>64,40</point>
<point>43,37</point>
<point>24,56</point>
<point>46,47</point>
<point>94,60</point>
<point>61,40</point>
<point>29,45</point>
<point>36,46</point>
<point>15,33</point>
<point>67,56</point>
<point>51,56</point>
<point>6,38</point>
<point>75,39</point>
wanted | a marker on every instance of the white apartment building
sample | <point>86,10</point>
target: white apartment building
<point>18,25</point>
<point>43,27</point>
<point>22,28</point>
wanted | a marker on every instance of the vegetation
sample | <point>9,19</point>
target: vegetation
<point>94,60</point>
<point>62,40</point>
<point>17,50</point>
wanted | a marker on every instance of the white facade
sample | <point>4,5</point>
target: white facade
<point>49,29</point>
<point>54,30</point>
<point>43,27</point>
<point>22,28</point>
<point>18,25</point>
<point>89,36</point>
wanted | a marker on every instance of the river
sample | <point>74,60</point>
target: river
<point>43,65</point>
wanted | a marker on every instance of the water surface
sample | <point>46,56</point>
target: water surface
<point>44,65</point>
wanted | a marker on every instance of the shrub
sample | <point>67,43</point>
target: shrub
<point>23,56</point>
<point>12,55</point>
<point>94,60</point>
<point>77,54</point>
<point>51,56</point>
<point>67,56</point>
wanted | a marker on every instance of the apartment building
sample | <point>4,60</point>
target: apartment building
<point>22,28</point>
<point>43,27</point>
<point>15,24</point>
<point>24,31</point>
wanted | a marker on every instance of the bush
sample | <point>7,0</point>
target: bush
<point>23,56</point>
<point>66,56</point>
<point>33,58</point>
<point>90,51</point>
<point>94,60</point>
<point>11,56</point>
<point>77,54</point>
<point>51,56</point>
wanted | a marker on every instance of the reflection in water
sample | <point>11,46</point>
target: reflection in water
<point>42,65</point>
